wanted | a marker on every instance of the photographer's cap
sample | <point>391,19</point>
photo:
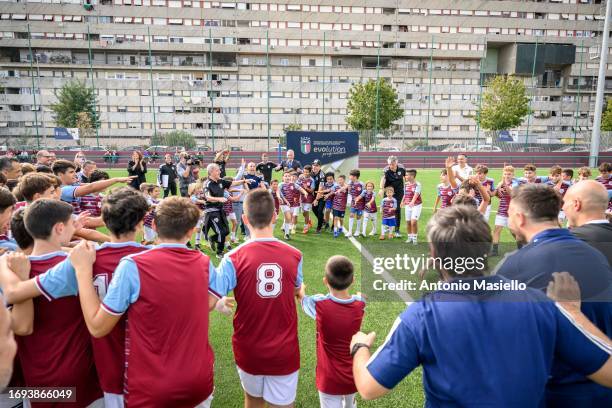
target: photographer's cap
<point>317,162</point>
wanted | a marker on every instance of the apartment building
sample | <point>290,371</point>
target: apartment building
<point>241,72</point>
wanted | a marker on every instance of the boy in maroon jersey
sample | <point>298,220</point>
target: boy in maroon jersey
<point>504,193</point>
<point>59,352</point>
<point>369,198</point>
<point>265,275</point>
<point>605,178</point>
<point>489,185</point>
<point>339,195</point>
<point>168,359</point>
<point>308,184</point>
<point>338,315</point>
<point>123,212</point>
<point>448,187</point>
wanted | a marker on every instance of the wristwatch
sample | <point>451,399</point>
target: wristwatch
<point>356,347</point>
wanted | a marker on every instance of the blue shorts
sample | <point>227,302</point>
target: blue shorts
<point>329,204</point>
<point>389,222</point>
<point>338,213</point>
<point>359,213</point>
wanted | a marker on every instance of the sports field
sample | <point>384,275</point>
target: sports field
<point>379,316</point>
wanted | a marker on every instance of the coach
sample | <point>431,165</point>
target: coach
<point>214,216</point>
<point>585,205</point>
<point>290,163</point>
<point>532,218</point>
<point>319,177</point>
<point>393,176</point>
<point>265,168</point>
<point>467,341</point>
<point>167,176</point>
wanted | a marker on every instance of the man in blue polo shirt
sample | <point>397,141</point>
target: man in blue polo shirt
<point>532,218</point>
<point>477,347</point>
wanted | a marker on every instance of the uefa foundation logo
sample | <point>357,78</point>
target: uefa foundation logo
<point>396,272</point>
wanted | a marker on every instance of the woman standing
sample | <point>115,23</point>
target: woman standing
<point>137,167</point>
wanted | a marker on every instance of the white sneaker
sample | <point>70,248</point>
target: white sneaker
<point>372,233</point>
<point>409,240</point>
<point>356,235</point>
<point>414,241</point>
<point>397,235</point>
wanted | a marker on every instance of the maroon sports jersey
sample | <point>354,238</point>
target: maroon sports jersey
<point>337,321</point>
<point>504,199</point>
<point>307,183</point>
<point>109,351</point>
<point>169,361</point>
<point>410,189</point>
<point>92,203</point>
<point>59,351</point>
<point>291,193</point>
<point>265,273</point>
<point>607,182</point>
<point>276,202</point>
<point>389,207</point>
<point>367,196</point>
<point>340,194</point>
<point>446,194</point>
<point>489,185</point>
<point>148,219</point>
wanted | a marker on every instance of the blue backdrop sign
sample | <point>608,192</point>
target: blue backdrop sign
<point>337,151</point>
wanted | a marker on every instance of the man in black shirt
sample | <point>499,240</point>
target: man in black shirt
<point>167,176</point>
<point>319,177</point>
<point>265,168</point>
<point>214,216</point>
<point>221,159</point>
<point>584,205</point>
<point>393,176</point>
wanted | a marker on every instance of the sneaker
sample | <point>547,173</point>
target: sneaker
<point>287,237</point>
<point>228,247</point>
<point>414,241</point>
<point>305,230</point>
<point>372,233</point>
<point>234,240</point>
<point>409,240</point>
<point>198,247</point>
<point>189,245</point>
<point>382,238</point>
<point>219,256</point>
<point>336,234</point>
<point>397,235</point>
<point>326,226</point>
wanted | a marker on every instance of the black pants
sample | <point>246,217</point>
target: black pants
<point>398,212</point>
<point>216,228</point>
<point>171,190</point>
<point>319,212</point>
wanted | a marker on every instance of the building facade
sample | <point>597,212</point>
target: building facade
<point>241,72</point>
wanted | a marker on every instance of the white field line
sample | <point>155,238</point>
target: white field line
<point>385,275</point>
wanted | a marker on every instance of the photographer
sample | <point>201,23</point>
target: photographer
<point>185,169</point>
<point>137,167</point>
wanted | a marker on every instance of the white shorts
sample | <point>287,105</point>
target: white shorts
<point>501,221</point>
<point>487,213</point>
<point>149,234</point>
<point>414,212</point>
<point>274,389</point>
<point>369,216</point>
<point>113,400</point>
<point>306,207</point>
<point>231,216</point>
<point>294,211</point>
<point>337,401</point>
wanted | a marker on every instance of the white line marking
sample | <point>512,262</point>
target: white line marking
<point>388,278</point>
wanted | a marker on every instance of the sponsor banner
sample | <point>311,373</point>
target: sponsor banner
<point>337,151</point>
<point>60,133</point>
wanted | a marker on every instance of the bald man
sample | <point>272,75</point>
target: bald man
<point>585,205</point>
<point>44,158</point>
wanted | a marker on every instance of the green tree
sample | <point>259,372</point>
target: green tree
<point>178,138</point>
<point>362,105</point>
<point>73,99</point>
<point>606,119</point>
<point>282,138</point>
<point>504,104</point>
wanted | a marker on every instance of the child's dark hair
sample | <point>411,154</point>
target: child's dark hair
<point>339,272</point>
<point>19,232</point>
<point>123,210</point>
<point>568,172</point>
<point>481,168</point>
<point>98,175</point>
<point>6,199</point>
<point>342,176</point>
<point>605,167</point>
<point>444,172</point>
<point>42,215</point>
<point>308,167</point>
<point>355,173</point>
<point>412,171</point>
<point>330,174</point>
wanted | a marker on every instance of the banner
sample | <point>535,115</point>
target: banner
<point>337,151</point>
<point>60,133</point>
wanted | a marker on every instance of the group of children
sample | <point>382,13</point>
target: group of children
<point>96,318</point>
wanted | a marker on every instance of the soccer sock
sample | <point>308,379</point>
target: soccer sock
<point>358,225</point>
<point>351,221</point>
<point>286,228</point>
<point>364,225</point>
<point>198,236</point>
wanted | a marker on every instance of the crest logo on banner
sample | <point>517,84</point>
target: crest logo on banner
<point>305,145</point>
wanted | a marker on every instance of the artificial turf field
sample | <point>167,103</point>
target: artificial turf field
<point>379,316</point>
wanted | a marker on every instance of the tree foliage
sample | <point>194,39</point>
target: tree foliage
<point>178,138</point>
<point>504,104</point>
<point>362,106</point>
<point>606,119</point>
<point>74,99</point>
<point>85,125</point>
